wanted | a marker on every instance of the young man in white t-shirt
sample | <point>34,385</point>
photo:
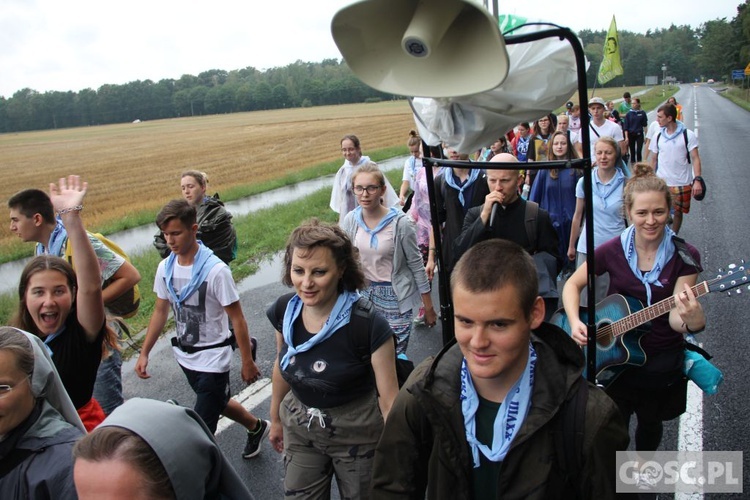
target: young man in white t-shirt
<point>201,291</point>
<point>600,127</point>
<point>675,158</point>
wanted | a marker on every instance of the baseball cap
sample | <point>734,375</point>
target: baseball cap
<point>596,100</point>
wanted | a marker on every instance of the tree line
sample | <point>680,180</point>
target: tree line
<point>710,51</point>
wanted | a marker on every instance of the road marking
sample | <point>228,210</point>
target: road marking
<point>690,437</point>
<point>250,397</point>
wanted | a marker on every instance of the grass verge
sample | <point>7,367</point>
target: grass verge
<point>261,234</point>
<point>741,97</point>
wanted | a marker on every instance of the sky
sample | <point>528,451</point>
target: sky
<point>75,44</point>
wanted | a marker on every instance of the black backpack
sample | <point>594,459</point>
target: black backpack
<point>361,321</point>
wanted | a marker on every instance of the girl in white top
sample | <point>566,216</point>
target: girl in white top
<point>342,198</point>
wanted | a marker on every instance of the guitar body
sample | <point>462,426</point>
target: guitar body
<point>613,353</point>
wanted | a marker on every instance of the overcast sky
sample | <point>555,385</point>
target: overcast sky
<point>75,44</point>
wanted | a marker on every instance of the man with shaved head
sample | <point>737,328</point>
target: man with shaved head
<point>516,220</point>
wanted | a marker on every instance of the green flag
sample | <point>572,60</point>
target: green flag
<point>611,65</point>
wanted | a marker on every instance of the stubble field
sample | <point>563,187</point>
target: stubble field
<point>133,169</point>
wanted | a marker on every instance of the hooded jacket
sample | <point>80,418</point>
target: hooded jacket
<point>195,464</point>
<point>424,447</point>
<point>36,457</point>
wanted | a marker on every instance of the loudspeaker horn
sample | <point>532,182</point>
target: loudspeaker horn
<point>425,48</point>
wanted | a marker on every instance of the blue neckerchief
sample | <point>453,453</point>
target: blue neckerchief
<point>51,337</point>
<point>677,131</point>
<point>392,214</point>
<point>450,179</point>
<point>340,316</point>
<point>663,255</point>
<point>57,240</point>
<point>604,190</point>
<point>510,416</point>
<point>204,261</point>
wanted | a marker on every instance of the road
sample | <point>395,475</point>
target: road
<point>718,226</point>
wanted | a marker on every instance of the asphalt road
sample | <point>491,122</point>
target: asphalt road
<point>718,226</point>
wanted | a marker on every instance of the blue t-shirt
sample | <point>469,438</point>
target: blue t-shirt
<point>609,219</point>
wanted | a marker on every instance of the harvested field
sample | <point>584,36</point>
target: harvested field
<point>133,168</point>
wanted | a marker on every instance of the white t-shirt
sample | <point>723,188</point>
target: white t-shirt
<point>653,129</point>
<point>672,164</point>
<point>202,319</point>
<point>608,129</point>
<point>410,170</point>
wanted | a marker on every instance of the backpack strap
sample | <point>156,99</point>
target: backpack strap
<point>571,425</point>
<point>687,151</point>
<point>591,126</point>
<point>361,328</point>
<point>684,252</point>
<point>530,218</point>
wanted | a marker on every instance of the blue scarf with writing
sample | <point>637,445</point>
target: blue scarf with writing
<point>339,316</point>
<point>392,214</point>
<point>663,254</point>
<point>204,261</point>
<point>450,179</point>
<point>510,416</point>
<point>57,240</point>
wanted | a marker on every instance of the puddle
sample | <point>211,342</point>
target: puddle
<point>139,239</point>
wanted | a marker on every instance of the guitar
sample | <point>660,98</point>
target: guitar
<point>618,318</point>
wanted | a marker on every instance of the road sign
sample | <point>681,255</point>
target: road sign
<point>747,69</point>
<point>738,74</point>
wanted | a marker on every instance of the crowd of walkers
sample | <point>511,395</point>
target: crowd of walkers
<point>481,419</point>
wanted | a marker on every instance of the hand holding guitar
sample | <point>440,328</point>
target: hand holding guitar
<point>689,312</point>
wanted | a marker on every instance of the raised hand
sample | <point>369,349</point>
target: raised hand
<point>68,193</point>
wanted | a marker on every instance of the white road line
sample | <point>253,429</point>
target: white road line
<point>250,397</point>
<point>691,430</point>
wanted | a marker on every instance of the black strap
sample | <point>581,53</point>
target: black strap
<point>591,126</point>
<point>229,341</point>
<point>687,150</point>
<point>530,218</point>
<point>569,435</point>
<point>684,252</point>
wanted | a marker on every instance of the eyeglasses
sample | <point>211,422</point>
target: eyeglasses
<point>369,189</point>
<point>5,389</point>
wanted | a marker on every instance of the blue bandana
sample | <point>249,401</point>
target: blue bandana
<point>339,316</point>
<point>510,416</point>
<point>204,261</point>
<point>392,214</point>
<point>663,254</point>
<point>57,240</point>
<point>450,179</point>
<point>677,131</point>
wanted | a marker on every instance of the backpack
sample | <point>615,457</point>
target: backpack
<point>361,321</point>
<point>126,305</point>
<point>687,151</point>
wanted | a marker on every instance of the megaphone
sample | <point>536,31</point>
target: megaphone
<point>425,48</point>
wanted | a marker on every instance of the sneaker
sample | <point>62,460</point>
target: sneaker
<point>419,320</point>
<point>255,439</point>
<point>254,344</point>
